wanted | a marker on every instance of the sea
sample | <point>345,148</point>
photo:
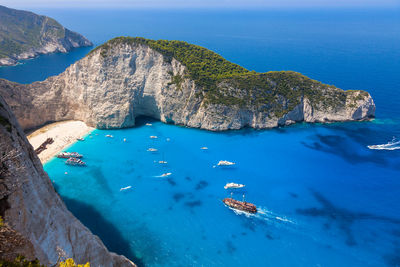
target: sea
<point>324,197</point>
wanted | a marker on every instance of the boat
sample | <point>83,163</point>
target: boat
<point>80,139</point>
<point>75,162</point>
<point>162,162</point>
<point>391,145</point>
<point>225,163</point>
<point>233,186</point>
<point>149,124</point>
<point>204,148</point>
<point>125,188</point>
<point>152,149</point>
<point>66,155</point>
<point>165,174</point>
<point>109,135</point>
<point>153,137</point>
<point>240,205</point>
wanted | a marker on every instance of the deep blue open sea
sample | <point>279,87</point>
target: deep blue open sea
<point>325,199</point>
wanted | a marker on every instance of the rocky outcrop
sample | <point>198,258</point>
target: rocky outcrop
<point>25,35</point>
<point>114,84</point>
<point>37,222</point>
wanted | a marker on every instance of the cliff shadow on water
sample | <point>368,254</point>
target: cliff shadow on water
<point>142,120</point>
<point>106,231</point>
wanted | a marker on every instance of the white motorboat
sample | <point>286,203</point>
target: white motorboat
<point>233,186</point>
<point>153,136</point>
<point>125,188</point>
<point>152,149</point>
<point>225,163</point>
<point>392,145</point>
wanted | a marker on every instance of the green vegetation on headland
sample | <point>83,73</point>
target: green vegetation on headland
<point>224,82</point>
<point>22,30</point>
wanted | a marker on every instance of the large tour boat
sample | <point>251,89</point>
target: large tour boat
<point>240,205</point>
<point>75,162</point>
<point>66,155</point>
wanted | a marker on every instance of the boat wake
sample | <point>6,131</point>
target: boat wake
<point>163,175</point>
<point>271,216</point>
<point>266,215</point>
<point>391,145</point>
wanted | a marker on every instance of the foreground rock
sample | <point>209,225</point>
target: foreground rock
<point>130,77</point>
<point>38,223</point>
<point>26,35</point>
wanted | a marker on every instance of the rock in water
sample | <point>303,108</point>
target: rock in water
<point>34,212</point>
<point>178,83</point>
<point>26,35</point>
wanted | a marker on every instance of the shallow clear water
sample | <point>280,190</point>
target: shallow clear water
<point>180,220</point>
<point>324,197</point>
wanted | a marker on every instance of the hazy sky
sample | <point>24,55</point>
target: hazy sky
<point>198,3</point>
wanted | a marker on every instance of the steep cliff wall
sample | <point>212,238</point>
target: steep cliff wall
<point>26,35</point>
<point>129,77</point>
<point>38,221</point>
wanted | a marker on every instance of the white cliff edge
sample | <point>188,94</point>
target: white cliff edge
<point>110,88</point>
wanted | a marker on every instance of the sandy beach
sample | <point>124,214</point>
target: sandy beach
<point>64,133</point>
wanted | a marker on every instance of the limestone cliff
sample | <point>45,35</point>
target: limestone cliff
<point>26,35</point>
<point>181,84</point>
<point>38,223</point>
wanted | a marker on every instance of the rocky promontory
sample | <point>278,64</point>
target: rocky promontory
<point>25,35</point>
<point>178,83</point>
<point>37,223</point>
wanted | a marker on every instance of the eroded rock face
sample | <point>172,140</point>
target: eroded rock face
<point>110,88</point>
<point>31,207</point>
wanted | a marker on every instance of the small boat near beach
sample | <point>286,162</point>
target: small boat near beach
<point>80,139</point>
<point>75,162</point>
<point>233,186</point>
<point>152,149</point>
<point>109,135</point>
<point>149,124</point>
<point>125,188</point>
<point>225,163</point>
<point>240,205</point>
<point>66,155</point>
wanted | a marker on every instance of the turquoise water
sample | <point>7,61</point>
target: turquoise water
<point>325,198</point>
<point>180,220</point>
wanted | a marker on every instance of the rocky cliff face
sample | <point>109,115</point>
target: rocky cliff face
<point>38,223</point>
<point>114,84</point>
<point>25,35</point>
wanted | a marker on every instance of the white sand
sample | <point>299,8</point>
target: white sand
<point>64,133</point>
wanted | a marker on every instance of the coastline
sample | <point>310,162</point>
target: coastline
<point>64,133</point>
